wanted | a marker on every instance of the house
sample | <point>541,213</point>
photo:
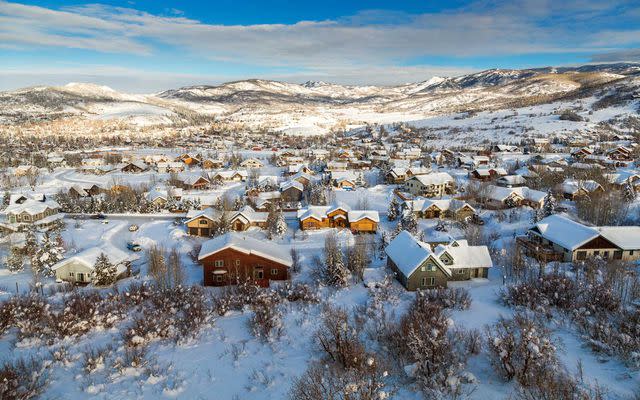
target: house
<point>573,189</point>
<point>194,182</point>
<point>418,266</point>
<point>30,210</point>
<point>291,191</point>
<point>338,216</point>
<point>212,163</point>
<point>246,218</point>
<point>510,181</point>
<point>498,197</point>
<point>344,183</point>
<point>436,184</point>
<point>336,166</point>
<point>233,257</point>
<point>78,190</point>
<point>263,201</point>
<point>229,176</point>
<point>396,175</point>
<point>170,166</point>
<point>79,268</point>
<point>189,159</point>
<point>201,222</point>
<point>134,167</point>
<point>486,174</point>
<point>251,163</point>
<point>558,238</point>
<point>447,208</point>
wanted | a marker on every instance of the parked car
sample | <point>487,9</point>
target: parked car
<point>98,216</point>
<point>133,228</point>
<point>132,246</point>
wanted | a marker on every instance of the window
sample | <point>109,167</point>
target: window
<point>274,271</point>
<point>460,272</point>
<point>631,252</point>
<point>71,274</point>
<point>219,263</point>
<point>202,222</point>
<point>237,263</point>
<point>219,278</point>
<point>582,255</point>
<point>596,253</point>
<point>605,254</point>
<point>258,274</point>
<point>617,255</point>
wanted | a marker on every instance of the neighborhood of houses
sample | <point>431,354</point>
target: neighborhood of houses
<point>322,189</point>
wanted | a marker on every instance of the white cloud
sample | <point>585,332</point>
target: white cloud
<point>344,49</point>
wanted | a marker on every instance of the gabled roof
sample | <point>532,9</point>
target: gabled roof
<point>208,213</point>
<point>625,237</point>
<point>88,257</point>
<point>436,178</point>
<point>357,215</point>
<point>247,245</point>
<point>565,232</point>
<point>465,256</point>
<point>408,254</point>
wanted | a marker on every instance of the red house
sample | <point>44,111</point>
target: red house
<point>234,257</point>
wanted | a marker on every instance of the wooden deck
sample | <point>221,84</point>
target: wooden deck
<point>538,251</point>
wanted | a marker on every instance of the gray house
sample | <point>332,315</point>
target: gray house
<point>79,268</point>
<point>420,265</point>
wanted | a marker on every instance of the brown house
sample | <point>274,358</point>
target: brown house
<point>201,222</point>
<point>233,258</point>
<point>338,216</point>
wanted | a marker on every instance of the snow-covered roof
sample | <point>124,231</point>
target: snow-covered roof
<point>31,206</point>
<point>357,215</point>
<point>436,178</point>
<point>291,184</point>
<point>565,232</point>
<point>247,245</point>
<point>250,215</point>
<point>88,257</point>
<point>625,237</point>
<point>465,256</point>
<point>408,254</point>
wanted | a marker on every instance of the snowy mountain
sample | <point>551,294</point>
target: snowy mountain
<point>317,106</point>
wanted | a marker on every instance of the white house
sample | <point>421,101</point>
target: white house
<point>80,267</point>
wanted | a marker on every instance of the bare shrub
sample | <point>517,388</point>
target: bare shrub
<point>22,379</point>
<point>330,382</point>
<point>454,298</point>
<point>522,348</point>
<point>93,359</point>
<point>338,339</point>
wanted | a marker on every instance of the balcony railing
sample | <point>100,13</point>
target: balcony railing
<point>540,252</point>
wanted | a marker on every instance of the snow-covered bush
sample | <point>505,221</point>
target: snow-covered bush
<point>266,322</point>
<point>331,382</point>
<point>454,298</point>
<point>22,379</point>
<point>614,334</point>
<point>559,386</point>
<point>554,289</point>
<point>522,348</point>
<point>94,359</point>
<point>299,292</point>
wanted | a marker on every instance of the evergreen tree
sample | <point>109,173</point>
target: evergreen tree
<point>221,226</point>
<point>47,255</point>
<point>629,193</point>
<point>382,244</point>
<point>394,207</point>
<point>410,222</point>
<point>31,242</point>
<point>549,207</point>
<point>276,224</point>
<point>15,261</point>
<point>104,272</point>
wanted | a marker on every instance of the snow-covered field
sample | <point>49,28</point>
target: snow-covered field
<point>224,360</point>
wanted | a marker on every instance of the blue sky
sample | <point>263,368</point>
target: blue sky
<point>144,46</point>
